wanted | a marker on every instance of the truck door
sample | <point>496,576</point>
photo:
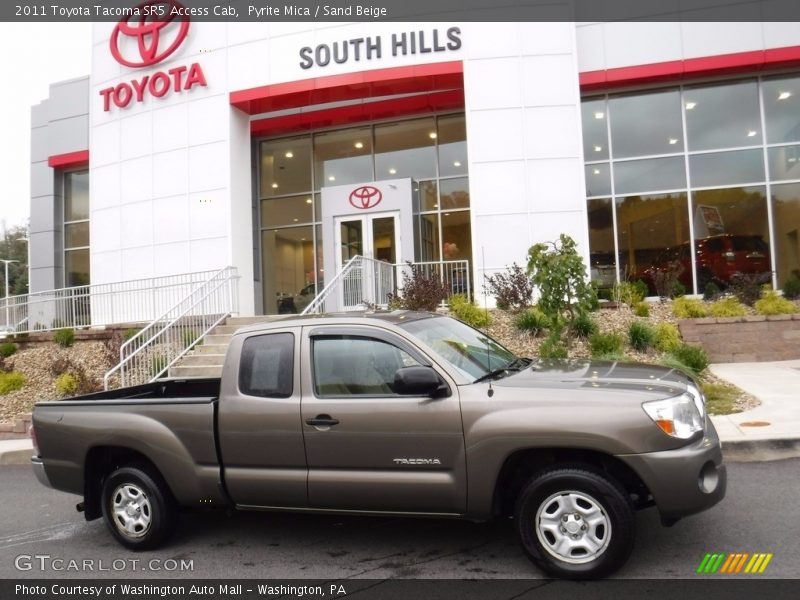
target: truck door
<point>369,448</point>
<point>260,438</point>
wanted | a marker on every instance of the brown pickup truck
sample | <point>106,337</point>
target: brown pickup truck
<point>394,413</point>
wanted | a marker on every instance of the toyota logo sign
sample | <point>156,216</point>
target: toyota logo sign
<point>365,197</point>
<point>150,31</point>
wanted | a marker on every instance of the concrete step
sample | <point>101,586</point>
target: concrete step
<point>203,360</point>
<point>242,321</point>
<point>214,339</point>
<point>211,349</point>
<point>207,371</point>
<point>226,329</point>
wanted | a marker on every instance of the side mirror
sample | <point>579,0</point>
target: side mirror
<point>416,381</point>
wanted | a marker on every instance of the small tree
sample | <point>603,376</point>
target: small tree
<point>557,270</point>
<point>513,290</point>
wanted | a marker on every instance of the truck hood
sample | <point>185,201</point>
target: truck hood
<point>640,380</point>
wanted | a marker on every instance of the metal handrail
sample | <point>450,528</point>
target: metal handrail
<point>319,301</point>
<point>152,351</point>
<point>362,281</point>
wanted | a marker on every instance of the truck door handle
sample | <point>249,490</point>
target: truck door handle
<point>322,421</point>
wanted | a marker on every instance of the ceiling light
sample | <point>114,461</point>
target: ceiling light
<point>598,148</point>
<point>784,95</point>
<point>690,105</point>
<point>752,133</point>
<point>432,135</point>
<point>392,171</point>
<point>302,239</point>
<point>331,178</point>
<point>673,141</point>
<point>457,163</point>
<point>295,220</point>
<point>446,214</point>
<point>599,115</point>
<point>596,171</point>
<point>289,154</point>
<point>309,200</point>
<point>274,185</point>
<point>359,145</point>
<point>435,206</point>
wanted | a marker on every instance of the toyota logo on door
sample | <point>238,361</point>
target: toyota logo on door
<point>150,35</point>
<point>153,31</point>
<point>366,196</point>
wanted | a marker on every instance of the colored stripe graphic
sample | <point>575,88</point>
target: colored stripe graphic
<point>734,563</point>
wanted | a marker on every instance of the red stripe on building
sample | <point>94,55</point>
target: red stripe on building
<point>690,68</point>
<point>69,160</point>
<point>350,86</point>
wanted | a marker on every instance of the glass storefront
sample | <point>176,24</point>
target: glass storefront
<point>432,151</point>
<point>76,228</point>
<point>706,177</point>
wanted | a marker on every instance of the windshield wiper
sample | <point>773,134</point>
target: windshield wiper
<point>517,364</point>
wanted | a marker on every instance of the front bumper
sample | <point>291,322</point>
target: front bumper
<point>683,481</point>
<point>38,470</point>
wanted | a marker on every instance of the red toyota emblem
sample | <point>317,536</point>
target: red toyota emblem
<point>365,197</point>
<point>148,30</point>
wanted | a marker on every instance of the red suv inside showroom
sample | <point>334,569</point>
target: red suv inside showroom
<point>718,257</point>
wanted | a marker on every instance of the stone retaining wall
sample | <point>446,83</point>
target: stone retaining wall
<point>753,338</point>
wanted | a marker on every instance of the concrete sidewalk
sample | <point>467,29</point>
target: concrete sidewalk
<point>16,452</point>
<point>771,430</point>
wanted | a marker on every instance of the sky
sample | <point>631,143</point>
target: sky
<point>32,56</point>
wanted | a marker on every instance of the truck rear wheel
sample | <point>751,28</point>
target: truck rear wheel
<point>138,507</point>
<point>575,523</point>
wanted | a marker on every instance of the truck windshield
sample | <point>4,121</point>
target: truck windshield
<point>473,353</point>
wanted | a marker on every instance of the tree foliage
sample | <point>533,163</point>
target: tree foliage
<point>14,246</point>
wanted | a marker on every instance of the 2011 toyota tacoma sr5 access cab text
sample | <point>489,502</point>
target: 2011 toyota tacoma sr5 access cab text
<point>395,413</point>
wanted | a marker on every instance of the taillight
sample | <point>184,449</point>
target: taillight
<point>32,433</point>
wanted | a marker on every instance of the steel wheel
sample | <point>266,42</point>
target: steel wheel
<point>132,511</point>
<point>573,527</point>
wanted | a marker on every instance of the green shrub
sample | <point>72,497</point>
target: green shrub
<point>10,382</point>
<point>791,288</point>
<point>728,307</point>
<point>584,325</point>
<point>553,347</point>
<point>189,336</point>
<point>65,337</point>
<point>468,312</point>
<point>67,384</point>
<point>129,333</point>
<point>533,320</point>
<point>641,336</point>
<point>747,286</point>
<point>678,290</point>
<point>667,337</point>
<point>711,291</point>
<point>630,293</point>
<point>8,349</point>
<point>642,309</point>
<point>687,308</point>
<point>604,344</point>
<point>694,357</point>
<point>773,304</point>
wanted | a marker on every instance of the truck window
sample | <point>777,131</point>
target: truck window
<point>356,366</point>
<point>267,365</point>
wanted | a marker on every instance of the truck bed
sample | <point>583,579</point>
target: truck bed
<point>171,390</point>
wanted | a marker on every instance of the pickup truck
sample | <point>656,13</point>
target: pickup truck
<point>394,413</point>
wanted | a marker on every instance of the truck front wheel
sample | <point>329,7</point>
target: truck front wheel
<point>138,507</point>
<point>575,523</point>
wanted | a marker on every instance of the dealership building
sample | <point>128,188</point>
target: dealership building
<point>285,149</point>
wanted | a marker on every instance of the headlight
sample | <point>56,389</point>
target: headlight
<point>699,399</point>
<point>678,417</point>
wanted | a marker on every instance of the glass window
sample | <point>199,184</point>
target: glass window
<point>722,116</point>
<point>356,366</point>
<point>426,237</point>
<point>288,267</point>
<point>342,157</point>
<point>76,195</point>
<point>76,235</point>
<point>456,235</point>
<point>267,365</point>
<point>598,179</point>
<point>648,227</point>
<point>452,145</point>
<point>602,265</point>
<point>646,124</point>
<point>786,216</point>
<point>784,162</point>
<point>286,166</point>
<point>782,109</point>
<point>454,193</point>
<point>406,149</point>
<point>595,131</point>
<point>654,174</point>
<point>426,197</point>
<point>726,168</point>
<point>287,211</point>
<point>76,267</point>
<point>738,217</point>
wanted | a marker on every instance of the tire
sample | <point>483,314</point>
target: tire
<point>598,534</point>
<point>138,507</point>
